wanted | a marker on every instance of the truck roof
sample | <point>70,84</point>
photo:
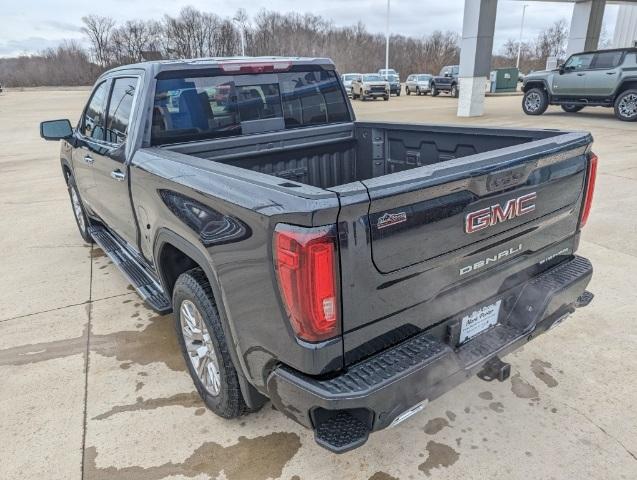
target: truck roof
<point>156,66</point>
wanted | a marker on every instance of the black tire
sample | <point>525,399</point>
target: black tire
<point>354,96</point>
<point>434,90</point>
<point>535,101</point>
<point>407,90</point>
<point>79,212</point>
<point>418,91</point>
<point>569,108</point>
<point>193,286</point>
<point>398,93</point>
<point>454,90</point>
<point>386,97</point>
<point>425,93</point>
<point>626,106</point>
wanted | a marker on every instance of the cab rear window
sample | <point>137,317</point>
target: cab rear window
<point>208,107</point>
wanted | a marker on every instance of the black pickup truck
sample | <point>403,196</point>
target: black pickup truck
<point>447,81</point>
<point>348,271</point>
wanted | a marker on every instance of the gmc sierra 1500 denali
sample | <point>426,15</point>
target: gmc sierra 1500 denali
<point>348,271</point>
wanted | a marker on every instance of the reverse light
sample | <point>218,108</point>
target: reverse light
<point>306,268</point>
<point>590,189</point>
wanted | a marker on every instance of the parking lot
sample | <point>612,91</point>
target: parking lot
<point>94,385</point>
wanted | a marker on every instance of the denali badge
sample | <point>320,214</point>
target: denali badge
<point>489,260</point>
<point>487,217</point>
<point>389,219</point>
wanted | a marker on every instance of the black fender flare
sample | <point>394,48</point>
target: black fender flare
<point>253,398</point>
<point>526,87</point>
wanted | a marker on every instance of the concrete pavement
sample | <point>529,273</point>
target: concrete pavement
<point>94,385</point>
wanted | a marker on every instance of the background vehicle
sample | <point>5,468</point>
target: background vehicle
<point>603,78</point>
<point>386,72</point>
<point>418,83</point>
<point>370,85</point>
<point>447,81</point>
<point>394,85</point>
<point>347,81</point>
<point>349,271</point>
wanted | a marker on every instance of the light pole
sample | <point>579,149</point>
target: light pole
<point>517,64</point>
<point>387,42</point>
<point>243,42</point>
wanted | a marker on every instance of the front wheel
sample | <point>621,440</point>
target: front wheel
<point>535,102</point>
<point>204,346</point>
<point>434,91</point>
<point>454,90</point>
<point>626,106</point>
<point>570,108</point>
<point>81,219</point>
<point>386,97</point>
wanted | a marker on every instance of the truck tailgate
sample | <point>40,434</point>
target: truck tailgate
<point>425,244</point>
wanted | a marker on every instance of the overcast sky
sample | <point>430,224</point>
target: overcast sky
<point>28,26</point>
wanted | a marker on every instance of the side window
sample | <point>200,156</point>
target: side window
<point>455,70</point>
<point>579,62</point>
<point>607,59</point>
<point>93,121</point>
<point>119,109</point>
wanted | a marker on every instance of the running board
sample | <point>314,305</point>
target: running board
<point>136,274</point>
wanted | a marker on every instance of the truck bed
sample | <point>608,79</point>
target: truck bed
<point>334,155</point>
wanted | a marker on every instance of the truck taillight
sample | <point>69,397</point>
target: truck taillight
<point>306,268</point>
<point>590,189</point>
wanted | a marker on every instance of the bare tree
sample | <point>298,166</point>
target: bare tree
<point>98,30</point>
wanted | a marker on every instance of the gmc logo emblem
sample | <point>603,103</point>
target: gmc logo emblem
<point>487,217</point>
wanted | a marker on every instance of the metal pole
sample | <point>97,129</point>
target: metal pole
<point>517,64</point>
<point>243,42</point>
<point>387,42</point>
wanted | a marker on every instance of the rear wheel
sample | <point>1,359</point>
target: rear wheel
<point>204,346</point>
<point>570,108</point>
<point>454,91</point>
<point>386,97</point>
<point>81,219</point>
<point>407,90</point>
<point>434,90</point>
<point>417,90</point>
<point>535,102</point>
<point>626,106</point>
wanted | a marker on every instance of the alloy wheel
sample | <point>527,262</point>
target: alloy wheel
<point>532,102</point>
<point>201,350</point>
<point>77,209</point>
<point>628,106</point>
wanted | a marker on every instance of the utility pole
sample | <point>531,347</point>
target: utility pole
<point>517,64</point>
<point>387,42</point>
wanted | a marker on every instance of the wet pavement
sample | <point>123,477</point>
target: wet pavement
<point>94,385</point>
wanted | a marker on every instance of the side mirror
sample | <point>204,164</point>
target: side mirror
<point>56,129</point>
<point>561,68</point>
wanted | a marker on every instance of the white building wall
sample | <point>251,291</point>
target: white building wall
<point>626,27</point>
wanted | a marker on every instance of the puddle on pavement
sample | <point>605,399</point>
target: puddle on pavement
<point>523,389</point>
<point>249,459</point>
<point>485,395</point>
<point>434,425</point>
<point>497,407</point>
<point>188,400</point>
<point>538,367</point>
<point>382,476</point>
<point>440,455</point>
<point>157,342</point>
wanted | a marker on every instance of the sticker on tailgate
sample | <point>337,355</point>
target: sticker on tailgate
<point>478,321</point>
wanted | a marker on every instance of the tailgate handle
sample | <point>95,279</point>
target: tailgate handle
<point>118,175</point>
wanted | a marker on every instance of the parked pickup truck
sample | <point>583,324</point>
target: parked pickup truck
<point>447,81</point>
<point>348,271</point>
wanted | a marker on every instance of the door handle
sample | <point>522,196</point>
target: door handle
<point>118,175</point>
<point>610,73</point>
<point>581,74</point>
<point>88,159</point>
